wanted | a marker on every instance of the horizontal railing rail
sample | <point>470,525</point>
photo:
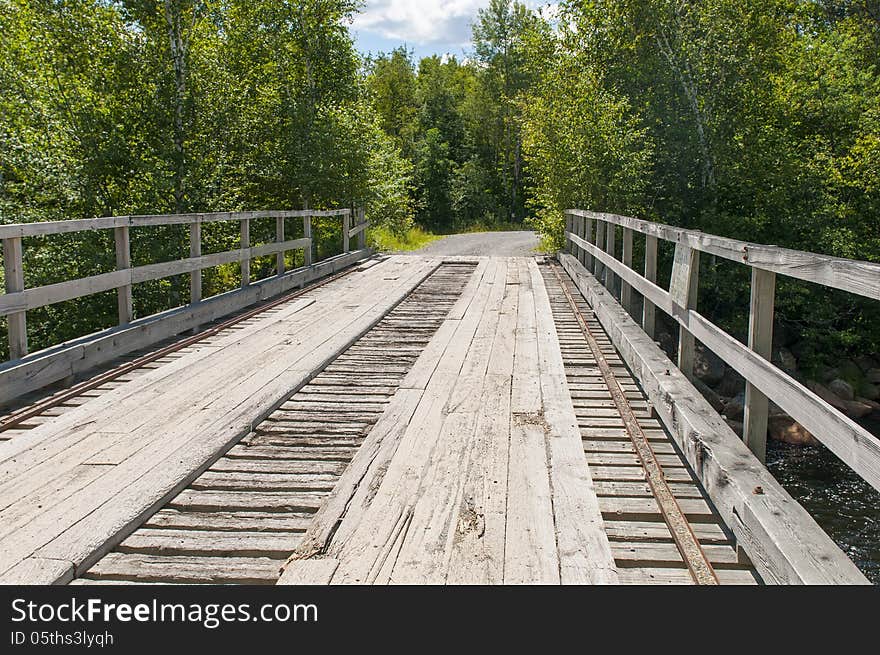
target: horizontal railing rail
<point>17,300</point>
<point>591,239</point>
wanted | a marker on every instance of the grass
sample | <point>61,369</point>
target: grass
<point>383,239</point>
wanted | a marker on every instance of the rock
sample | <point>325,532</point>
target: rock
<point>866,362</point>
<point>856,409</point>
<point>708,366</point>
<point>786,429</point>
<point>870,391</point>
<point>825,394</point>
<point>707,393</point>
<point>873,404</point>
<point>667,343</point>
<point>827,373</point>
<point>731,384</point>
<point>842,389</point>
<point>734,408</point>
<point>872,375</point>
<point>736,426</point>
<point>774,409</point>
<point>785,360</point>
<point>849,370</point>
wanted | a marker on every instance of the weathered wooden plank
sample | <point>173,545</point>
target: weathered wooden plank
<point>90,224</point>
<point>210,543</point>
<point>185,569</point>
<point>681,576</point>
<point>638,531</point>
<point>445,508</point>
<point>531,554</point>
<point>761,309</point>
<point>625,288</point>
<point>232,521</point>
<point>195,251</point>
<point>307,234</point>
<point>123,262</point>
<point>13,280</point>
<point>583,550</point>
<point>279,240</point>
<point>309,572</point>
<point>628,553</point>
<point>368,540</point>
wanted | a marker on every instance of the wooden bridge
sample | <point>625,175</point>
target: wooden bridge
<point>407,419</point>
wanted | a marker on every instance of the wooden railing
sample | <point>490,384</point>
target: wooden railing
<point>18,300</point>
<point>591,238</point>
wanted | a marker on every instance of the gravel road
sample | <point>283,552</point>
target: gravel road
<point>501,244</point>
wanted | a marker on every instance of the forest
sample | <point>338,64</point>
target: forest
<point>756,119</point>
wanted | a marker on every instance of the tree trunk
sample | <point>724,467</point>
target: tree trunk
<point>178,59</point>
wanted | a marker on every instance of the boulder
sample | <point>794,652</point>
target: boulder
<point>866,362</point>
<point>825,394</point>
<point>849,370</point>
<point>707,393</point>
<point>708,366</point>
<point>828,373</point>
<point>856,409</point>
<point>734,407</point>
<point>870,391</point>
<point>786,429</point>
<point>873,404</point>
<point>785,360</point>
<point>842,389</point>
<point>872,375</point>
<point>731,384</point>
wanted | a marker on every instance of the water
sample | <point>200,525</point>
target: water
<point>846,506</point>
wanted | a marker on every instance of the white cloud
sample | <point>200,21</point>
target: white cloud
<point>424,21</point>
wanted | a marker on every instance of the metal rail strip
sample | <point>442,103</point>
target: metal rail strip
<point>688,545</point>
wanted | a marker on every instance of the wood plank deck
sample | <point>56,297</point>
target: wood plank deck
<point>73,486</point>
<point>476,474</point>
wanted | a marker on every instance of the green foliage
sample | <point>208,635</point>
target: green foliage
<point>757,119</point>
<point>141,106</point>
<point>385,239</point>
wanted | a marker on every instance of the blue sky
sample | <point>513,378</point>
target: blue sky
<point>425,26</point>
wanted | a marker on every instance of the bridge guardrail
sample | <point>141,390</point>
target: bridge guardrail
<point>591,238</point>
<point>18,300</point>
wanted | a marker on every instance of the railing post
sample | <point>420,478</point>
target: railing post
<point>683,289</point>
<point>307,233</point>
<point>195,250</point>
<point>279,238</point>
<point>625,289</point>
<point>588,236</point>
<point>123,262</point>
<point>13,272</point>
<point>362,235</point>
<point>568,246</point>
<point>599,273</point>
<point>761,310</point>
<point>346,228</point>
<point>579,230</point>
<point>610,236</point>
<point>245,255</point>
<point>648,308</point>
